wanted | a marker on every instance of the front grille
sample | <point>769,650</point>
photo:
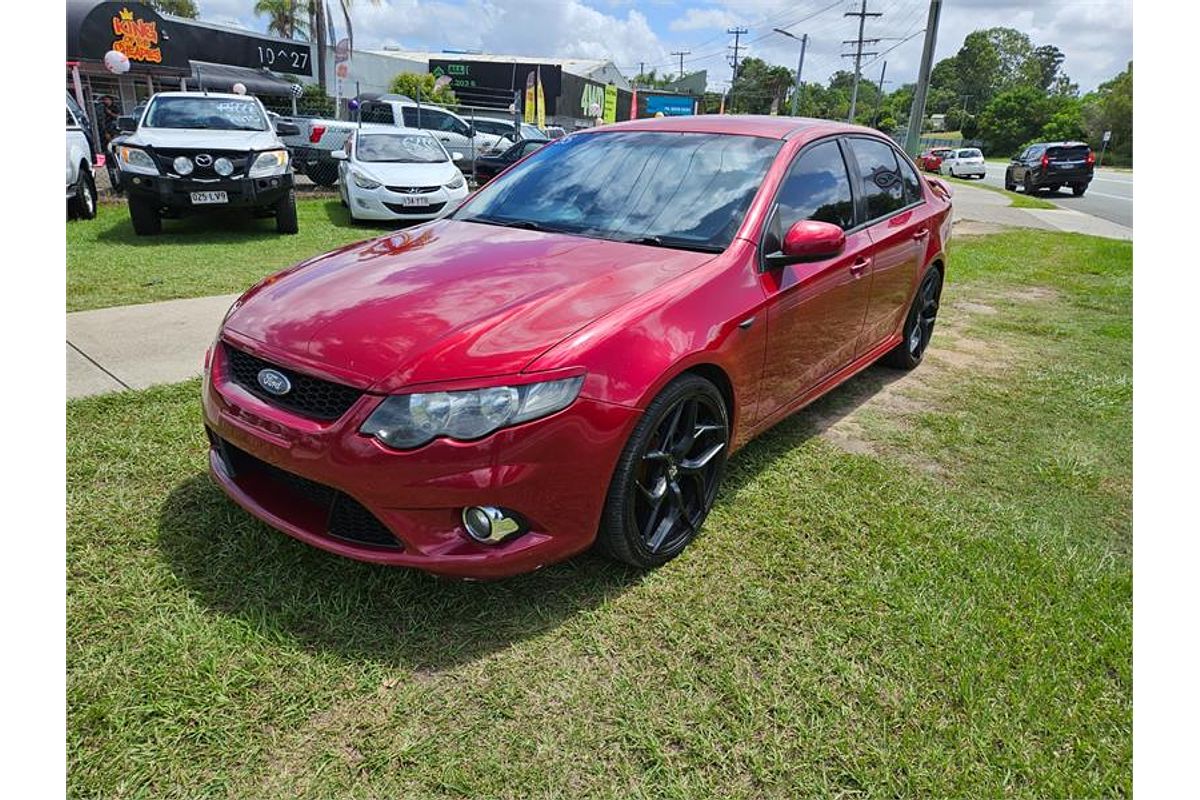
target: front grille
<point>166,158</point>
<point>347,518</point>
<point>413,189</point>
<point>429,209</point>
<point>309,396</point>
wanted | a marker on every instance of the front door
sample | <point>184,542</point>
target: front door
<point>816,310</point>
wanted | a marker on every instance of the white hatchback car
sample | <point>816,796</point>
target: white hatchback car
<point>386,174</point>
<point>966,162</point>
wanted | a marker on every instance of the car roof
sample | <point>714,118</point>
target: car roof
<point>1060,144</point>
<point>218,95</point>
<point>772,127</point>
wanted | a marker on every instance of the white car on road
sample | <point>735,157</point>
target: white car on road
<point>965,162</point>
<point>391,175</point>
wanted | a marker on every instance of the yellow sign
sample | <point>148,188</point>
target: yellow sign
<point>136,38</point>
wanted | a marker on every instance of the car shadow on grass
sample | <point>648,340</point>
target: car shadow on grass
<point>288,590</point>
<point>209,227</point>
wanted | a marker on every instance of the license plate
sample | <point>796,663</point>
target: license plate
<point>417,200</point>
<point>203,198</point>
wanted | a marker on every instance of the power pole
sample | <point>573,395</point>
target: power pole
<point>858,51</point>
<point>916,117</point>
<point>737,33</point>
<point>879,105</point>
<point>799,68</point>
<point>641,68</point>
<point>681,54</point>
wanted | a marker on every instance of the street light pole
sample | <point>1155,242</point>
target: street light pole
<point>799,68</point>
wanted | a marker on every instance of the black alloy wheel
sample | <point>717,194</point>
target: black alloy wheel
<point>668,475</point>
<point>918,326</point>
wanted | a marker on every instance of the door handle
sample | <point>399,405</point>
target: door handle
<point>859,265</point>
<point>921,234</point>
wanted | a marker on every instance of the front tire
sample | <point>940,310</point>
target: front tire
<point>667,476</point>
<point>918,325</point>
<point>1009,184</point>
<point>285,213</point>
<point>145,217</point>
<point>323,174</point>
<point>84,202</point>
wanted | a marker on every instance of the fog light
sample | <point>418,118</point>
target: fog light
<point>223,167</point>
<point>488,524</point>
<point>182,165</point>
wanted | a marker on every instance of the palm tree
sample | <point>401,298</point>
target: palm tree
<point>287,17</point>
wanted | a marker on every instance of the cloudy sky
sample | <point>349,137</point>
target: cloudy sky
<point>1096,35</point>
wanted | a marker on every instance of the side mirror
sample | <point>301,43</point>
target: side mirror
<point>126,124</point>
<point>810,240</point>
<point>339,155</point>
<point>287,128</point>
<point>457,156</point>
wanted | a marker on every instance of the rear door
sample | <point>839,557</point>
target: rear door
<point>897,221</point>
<point>816,308</point>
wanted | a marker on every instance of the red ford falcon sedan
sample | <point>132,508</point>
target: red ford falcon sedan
<point>571,356</point>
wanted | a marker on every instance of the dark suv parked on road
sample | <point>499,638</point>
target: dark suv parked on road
<point>1052,165</point>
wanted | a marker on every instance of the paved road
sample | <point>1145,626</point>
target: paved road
<point>1110,195</point>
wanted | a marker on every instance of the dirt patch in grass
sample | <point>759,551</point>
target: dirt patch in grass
<point>1031,294</point>
<point>970,227</point>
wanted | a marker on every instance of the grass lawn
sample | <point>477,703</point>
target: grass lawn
<point>108,265</point>
<point>920,586</point>
<point>1016,200</point>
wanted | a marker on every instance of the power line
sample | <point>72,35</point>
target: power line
<point>858,51</point>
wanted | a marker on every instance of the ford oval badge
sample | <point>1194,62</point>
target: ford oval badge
<point>274,382</point>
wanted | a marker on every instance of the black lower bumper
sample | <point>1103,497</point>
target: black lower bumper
<point>176,193</point>
<point>1064,177</point>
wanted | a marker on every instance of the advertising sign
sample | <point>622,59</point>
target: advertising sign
<point>488,79</point>
<point>610,103</point>
<point>670,105</point>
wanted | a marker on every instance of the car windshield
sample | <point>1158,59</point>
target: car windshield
<point>970,153</point>
<point>942,153</point>
<point>530,132</point>
<point>400,149</point>
<point>679,190</point>
<point>214,113</point>
<point>1068,152</point>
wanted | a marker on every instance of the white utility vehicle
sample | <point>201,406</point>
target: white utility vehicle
<point>386,174</point>
<point>81,181</point>
<point>192,152</point>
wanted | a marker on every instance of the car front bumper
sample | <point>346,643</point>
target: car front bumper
<point>292,472</point>
<point>382,204</point>
<point>176,193</point>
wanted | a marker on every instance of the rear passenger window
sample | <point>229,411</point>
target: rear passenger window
<point>912,186</point>
<point>380,113</point>
<point>881,184</point>
<point>816,187</point>
<point>411,119</point>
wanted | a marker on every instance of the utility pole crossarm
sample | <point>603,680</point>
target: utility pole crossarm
<point>862,15</point>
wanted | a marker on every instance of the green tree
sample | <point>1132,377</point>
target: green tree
<point>1066,124</point>
<point>760,87</point>
<point>287,18</point>
<point>1110,108</point>
<point>422,86</point>
<point>176,8</point>
<point>1041,69</point>
<point>320,26</point>
<point>1012,118</point>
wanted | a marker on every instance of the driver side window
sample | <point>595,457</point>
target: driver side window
<point>817,187</point>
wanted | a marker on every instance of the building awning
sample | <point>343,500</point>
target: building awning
<point>222,77</point>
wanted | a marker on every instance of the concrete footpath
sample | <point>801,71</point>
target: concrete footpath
<point>133,347</point>
<point>985,205</point>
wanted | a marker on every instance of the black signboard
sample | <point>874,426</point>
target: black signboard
<point>150,41</point>
<point>581,98</point>
<point>471,79</point>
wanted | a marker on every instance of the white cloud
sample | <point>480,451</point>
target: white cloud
<point>702,18</point>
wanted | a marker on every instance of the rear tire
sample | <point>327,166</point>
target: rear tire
<point>918,325</point>
<point>1078,189</point>
<point>667,476</point>
<point>1054,187</point>
<point>145,217</point>
<point>285,213</point>
<point>1029,187</point>
<point>84,202</point>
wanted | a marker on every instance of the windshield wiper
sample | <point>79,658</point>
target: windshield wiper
<point>526,224</point>
<point>674,243</point>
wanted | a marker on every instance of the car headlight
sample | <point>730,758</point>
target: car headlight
<point>133,159</point>
<point>457,182</point>
<point>405,421</point>
<point>271,162</point>
<point>182,165</point>
<point>363,182</point>
<point>223,167</point>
